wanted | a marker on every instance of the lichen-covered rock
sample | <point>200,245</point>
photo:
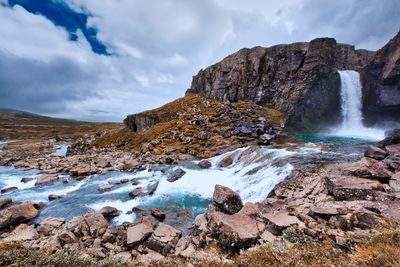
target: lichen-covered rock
<point>227,199</point>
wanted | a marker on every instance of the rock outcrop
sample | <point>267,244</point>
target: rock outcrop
<point>381,83</point>
<point>299,80</point>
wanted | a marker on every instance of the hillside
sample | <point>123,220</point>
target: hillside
<point>16,124</point>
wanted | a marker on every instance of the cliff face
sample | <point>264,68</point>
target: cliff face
<point>300,80</point>
<point>381,83</point>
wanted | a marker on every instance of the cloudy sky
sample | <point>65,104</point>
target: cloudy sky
<point>101,60</point>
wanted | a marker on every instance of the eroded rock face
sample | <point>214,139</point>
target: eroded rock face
<point>381,83</point>
<point>299,80</point>
<point>227,199</point>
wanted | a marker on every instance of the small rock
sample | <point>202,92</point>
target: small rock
<point>227,199</point>
<point>152,188</point>
<point>105,188</point>
<point>205,164</point>
<point>65,180</point>
<point>176,175</point>
<point>158,214</point>
<point>8,189</point>
<point>52,197</point>
<point>45,179</point>
<point>227,161</point>
<point>137,192</point>
<point>27,179</point>
<point>109,212</point>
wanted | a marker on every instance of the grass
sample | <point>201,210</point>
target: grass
<point>383,249</point>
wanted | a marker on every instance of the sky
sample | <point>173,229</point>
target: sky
<point>102,60</point>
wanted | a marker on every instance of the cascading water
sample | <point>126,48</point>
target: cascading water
<point>351,96</point>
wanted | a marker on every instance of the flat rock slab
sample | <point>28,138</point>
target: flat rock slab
<point>235,230</point>
<point>164,238</point>
<point>327,209</point>
<point>277,222</point>
<point>349,187</point>
<point>138,233</point>
<point>23,232</point>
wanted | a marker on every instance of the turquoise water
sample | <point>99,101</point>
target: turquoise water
<point>329,139</point>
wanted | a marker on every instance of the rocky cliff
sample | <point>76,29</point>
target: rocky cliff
<point>381,83</point>
<point>300,80</point>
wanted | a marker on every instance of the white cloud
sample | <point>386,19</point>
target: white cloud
<point>157,46</point>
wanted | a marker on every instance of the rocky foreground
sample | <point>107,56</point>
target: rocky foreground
<point>341,202</point>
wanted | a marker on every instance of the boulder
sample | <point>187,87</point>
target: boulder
<point>45,179</point>
<point>83,171</point>
<point>138,233</point>
<point>267,237</point>
<point>277,222</point>
<point>349,187</point>
<point>8,189</point>
<point>164,238</point>
<point>97,223</point>
<point>227,199</point>
<point>371,169</point>
<point>67,237</point>
<point>23,232</point>
<point>16,214</point>
<point>205,164</point>
<point>376,153</point>
<point>227,161</point>
<point>151,188</point>
<point>233,231</point>
<point>105,188</point>
<point>109,212</point>
<point>176,175</point>
<point>158,214</point>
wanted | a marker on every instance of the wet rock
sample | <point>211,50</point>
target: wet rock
<point>205,164</point>
<point>158,214</point>
<point>23,232</point>
<point>137,192</point>
<point>176,175</point>
<point>138,233</point>
<point>27,179</point>
<point>52,197</point>
<point>16,214</point>
<point>8,189</point>
<point>376,153</point>
<point>83,171</point>
<point>65,180</point>
<point>227,161</point>
<point>265,139</point>
<point>152,188</point>
<point>105,188</point>
<point>235,230</point>
<point>277,222</point>
<point>45,179</point>
<point>227,199</point>
<point>348,187</point>
<point>109,212</point>
<point>5,201</point>
<point>164,238</point>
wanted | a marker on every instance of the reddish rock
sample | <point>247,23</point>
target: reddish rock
<point>138,233</point>
<point>277,222</point>
<point>234,231</point>
<point>227,199</point>
<point>376,153</point>
<point>23,232</point>
<point>158,214</point>
<point>109,212</point>
<point>16,214</point>
<point>349,187</point>
<point>205,164</point>
<point>45,179</point>
<point>164,238</point>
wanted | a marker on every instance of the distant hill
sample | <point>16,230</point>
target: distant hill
<point>16,124</point>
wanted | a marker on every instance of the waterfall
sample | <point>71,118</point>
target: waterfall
<point>351,107</point>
